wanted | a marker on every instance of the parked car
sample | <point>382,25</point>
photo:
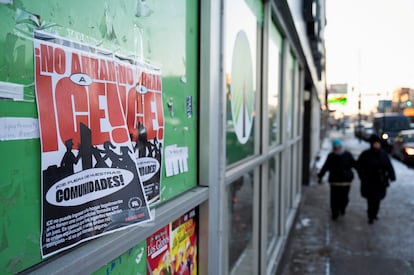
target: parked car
<point>403,146</point>
<point>363,130</point>
<point>367,132</point>
<point>388,125</point>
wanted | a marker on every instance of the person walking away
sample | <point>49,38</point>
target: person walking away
<point>339,164</point>
<point>375,171</point>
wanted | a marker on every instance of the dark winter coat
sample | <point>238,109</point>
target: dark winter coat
<point>375,171</point>
<point>339,167</point>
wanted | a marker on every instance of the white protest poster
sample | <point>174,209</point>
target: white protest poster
<point>90,180</point>
<point>145,120</point>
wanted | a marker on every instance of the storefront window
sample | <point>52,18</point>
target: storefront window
<point>299,100</point>
<point>274,84</point>
<point>240,204</point>
<point>290,96</point>
<point>241,53</point>
<point>272,200</point>
<point>287,181</point>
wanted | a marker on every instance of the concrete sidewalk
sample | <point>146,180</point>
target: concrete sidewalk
<point>350,245</point>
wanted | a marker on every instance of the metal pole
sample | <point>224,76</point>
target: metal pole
<point>359,117</point>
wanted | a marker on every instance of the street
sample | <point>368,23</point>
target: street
<point>350,245</point>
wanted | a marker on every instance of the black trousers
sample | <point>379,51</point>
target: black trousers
<point>339,199</point>
<point>373,207</point>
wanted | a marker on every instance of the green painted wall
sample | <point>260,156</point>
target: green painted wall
<point>131,262</point>
<point>163,33</point>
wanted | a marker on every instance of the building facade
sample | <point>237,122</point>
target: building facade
<point>229,93</point>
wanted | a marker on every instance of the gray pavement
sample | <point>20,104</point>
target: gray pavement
<point>350,245</point>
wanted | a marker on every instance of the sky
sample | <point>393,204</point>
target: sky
<point>370,44</point>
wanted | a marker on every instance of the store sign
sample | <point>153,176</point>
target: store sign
<point>337,99</point>
<point>99,139</point>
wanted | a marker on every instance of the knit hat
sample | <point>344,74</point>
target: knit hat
<point>336,143</point>
<point>374,138</point>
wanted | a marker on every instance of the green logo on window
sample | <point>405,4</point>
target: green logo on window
<point>241,88</point>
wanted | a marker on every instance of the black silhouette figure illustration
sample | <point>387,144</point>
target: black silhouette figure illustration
<point>142,142</point>
<point>125,161</point>
<point>86,146</point>
<point>67,165</point>
<point>145,147</point>
<point>157,150</point>
<point>100,161</point>
<point>91,156</point>
<point>69,159</point>
<point>110,154</point>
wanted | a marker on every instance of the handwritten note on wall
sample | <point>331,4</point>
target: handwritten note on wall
<point>176,160</point>
<point>15,128</point>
